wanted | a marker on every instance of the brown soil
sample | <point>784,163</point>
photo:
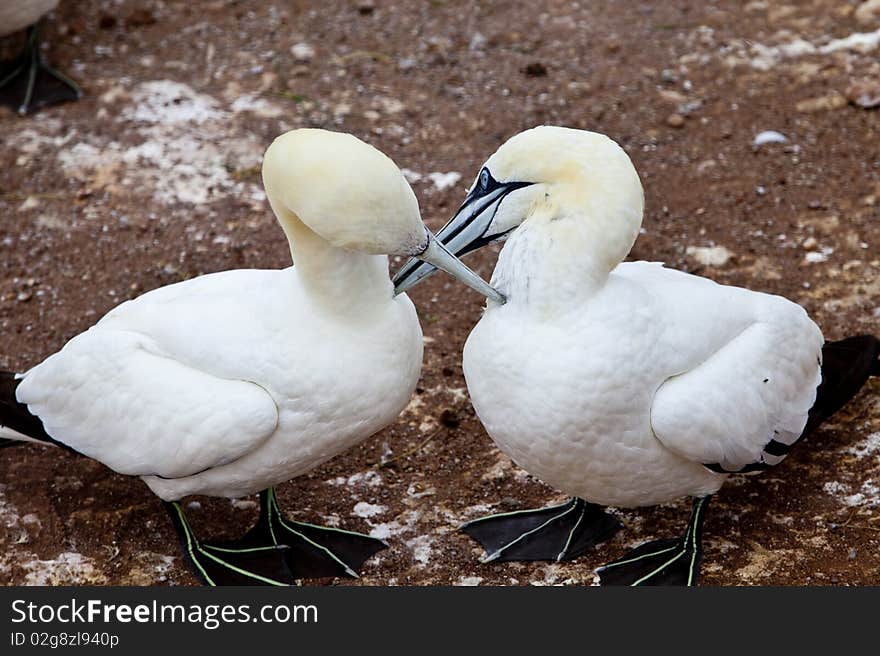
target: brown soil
<point>438,86</point>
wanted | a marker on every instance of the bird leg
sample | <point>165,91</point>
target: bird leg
<point>276,551</point>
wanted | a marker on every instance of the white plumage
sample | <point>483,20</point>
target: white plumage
<point>623,384</point>
<point>233,382</point>
<point>623,400</point>
<point>16,15</point>
<point>236,381</point>
<point>237,373</point>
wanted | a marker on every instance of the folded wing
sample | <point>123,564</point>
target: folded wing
<point>744,406</point>
<point>115,396</point>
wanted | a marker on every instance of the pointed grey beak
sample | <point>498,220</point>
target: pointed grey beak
<point>436,257</point>
<point>465,232</point>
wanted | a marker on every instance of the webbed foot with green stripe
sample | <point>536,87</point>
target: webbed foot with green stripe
<point>662,562</point>
<point>557,533</point>
<point>28,83</point>
<point>276,551</point>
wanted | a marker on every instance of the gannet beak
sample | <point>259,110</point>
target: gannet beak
<point>435,256</point>
<point>465,232</point>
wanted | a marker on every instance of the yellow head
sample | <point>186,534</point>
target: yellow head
<point>580,185</point>
<point>347,192</point>
<point>353,197</point>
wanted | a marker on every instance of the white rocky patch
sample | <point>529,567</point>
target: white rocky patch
<point>367,510</point>
<point>867,447</point>
<point>714,256</point>
<point>444,181</point>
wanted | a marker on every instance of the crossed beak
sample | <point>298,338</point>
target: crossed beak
<point>436,256</point>
<point>467,231</point>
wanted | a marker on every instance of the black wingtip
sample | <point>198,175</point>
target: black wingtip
<point>846,366</point>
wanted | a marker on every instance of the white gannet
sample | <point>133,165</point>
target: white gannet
<point>232,382</point>
<point>623,383</point>
<point>27,82</point>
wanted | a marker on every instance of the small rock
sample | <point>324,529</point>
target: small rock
<point>535,69</point>
<point>675,121</point>
<point>864,93</point>
<point>668,76</point>
<point>822,103</point>
<point>449,419</point>
<point>478,42</point>
<point>810,244</point>
<point>769,137</point>
<point>868,12</point>
<point>366,7</point>
<point>140,18</point>
<point>672,96</point>
<point>714,256</point>
<point>107,21</point>
<point>852,554</point>
<point>302,52</point>
<point>23,297</point>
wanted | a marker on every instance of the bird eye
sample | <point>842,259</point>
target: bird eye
<point>484,179</point>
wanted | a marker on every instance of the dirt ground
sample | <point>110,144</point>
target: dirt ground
<point>153,177</point>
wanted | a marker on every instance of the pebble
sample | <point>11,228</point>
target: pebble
<point>714,256</point>
<point>675,121</point>
<point>448,418</point>
<point>672,96</point>
<point>668,76</point>
<point>366,7</point>
<point>769,137</point>
<point>864,93</point>
<point>302,52</point>
<point>868,13</point>
<point>822,103</point>
<point>535,69</point>
<point>810,244</point>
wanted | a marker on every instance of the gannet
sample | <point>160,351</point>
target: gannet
<point>230,383</point>
<point>27,82</point>
<point>623,384</point>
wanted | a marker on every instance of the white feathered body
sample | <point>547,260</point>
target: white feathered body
<point>622,398</point>
<point>228,383</point>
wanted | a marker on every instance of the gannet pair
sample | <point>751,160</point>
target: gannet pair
<point>623,383</point>
<point>27,82</point>
<point>233,382</point>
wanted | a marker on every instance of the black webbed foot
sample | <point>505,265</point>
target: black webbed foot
<point>673,561</point>
<point>556,533</point>
<point>28,83</point>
